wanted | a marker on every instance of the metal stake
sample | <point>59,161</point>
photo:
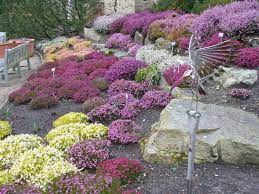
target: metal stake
<point>192,114</point>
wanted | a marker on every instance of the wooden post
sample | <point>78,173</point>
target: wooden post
<point>192,114</point>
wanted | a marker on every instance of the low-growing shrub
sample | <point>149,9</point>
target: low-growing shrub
<point>248,58</point>
<point>64,136</point>
<point>19,188</point>
<point>133,50</point>
<point>85,93</point>
<point>5,178</point>
<point>100,83</point>
<point>93,103</point>
<point>150,74</point>
<point>86,154</point>
<point>123,105</point>
<point>21,96</point>
<point>5,129</point>
<point>14,146</point>
<point>127,171</point>
<point>200,6</point>
<point>41,166</point>
<point>184,43</point>
<point>174,76</point>
<point>119,41</point>
<point>72,117</point>
<point>124,131</point>
<point>240,93</point>
<point>83,183</point>
<point>155,98</point>
<point>43,102</point>
<point>124,69</point>
<point>126,86</point>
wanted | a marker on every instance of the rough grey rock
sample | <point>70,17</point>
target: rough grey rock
<point>138,38</point>
<point>182,93</point>
<point>224,133</point>
<point>91,34</point>
<point>233,76</point>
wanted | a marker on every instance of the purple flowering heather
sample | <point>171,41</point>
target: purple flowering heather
<point>87,154</point>
<point>235,18</point>
<point>125,86</point>
<point>21,189</point>
<point>155,99</point>
<point>124,69</point>
<point>248,57</point>
<point>119,41</point>
<point>184,43</point>
<point>98,73</point>
<point>124,131</point>
<point>240,93</point>
<point>134,49</point>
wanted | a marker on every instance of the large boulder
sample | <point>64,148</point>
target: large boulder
<point>233,76</point>
<point>224,133</point>
<point>91,34</point>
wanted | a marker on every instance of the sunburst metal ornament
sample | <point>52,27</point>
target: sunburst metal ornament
<point>208,61</point>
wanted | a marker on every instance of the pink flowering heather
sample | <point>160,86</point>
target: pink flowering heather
<point>124,131</point>
<point>134,49</point>
<point>174,76</point>
<point>119,41</point>
<point>235,18</point>
<point>138,22</point>
<point>87,154</point>
<point>21,96</point>
<point>120,106</point>
<point>240,93</point>
<point>127,171</point>
<point>184,43</point>
<point>124,69</point>
<point>80,183</point>
<point>19,188</point>
<point>98,73</point>
<point>155,98</point>
<point>248,57</point>
<point>125,86</point>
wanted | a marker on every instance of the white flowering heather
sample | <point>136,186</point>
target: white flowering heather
<point>41,166</point>
<point>13,146</point>
<point>102,23</point>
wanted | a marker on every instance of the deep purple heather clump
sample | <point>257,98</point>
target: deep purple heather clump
<point>124,69</point>
<point>123,105</point>
<point>184,43</point>
<point>174,76</point>
<point>248,58</point>
<point>87,154</point>
<point>119,41</point>
<point>124,131</point>
<point>81,183</point>
<point>155,98</point>
<point>126,86</point>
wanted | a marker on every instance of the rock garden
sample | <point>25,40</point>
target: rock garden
<point>106,113</point>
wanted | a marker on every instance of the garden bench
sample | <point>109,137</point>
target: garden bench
<point>12,59</point>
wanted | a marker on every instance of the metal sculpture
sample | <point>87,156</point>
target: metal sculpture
<point>205,63</point>
<point>208,61</point>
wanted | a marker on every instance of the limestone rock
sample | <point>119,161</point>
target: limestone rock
<point>91,34</point>
<point>233,76</point>
<point>138,38</point>
<point>182,93</point>
<point>224,133</point>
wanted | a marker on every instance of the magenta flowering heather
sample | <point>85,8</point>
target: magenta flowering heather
<point>124,131</point>
<point>240,93</point>
<point>184,43</point>
<point>234,18</point>
<point>248,57</point>
<point>174,76</point>
<point>123,169</point>
<point>134,49</point>
<point>119,41</point>
<point>126,86</point>
<point>21,96</point>
<point>98,73</point>
<point>155,98</point>
<point>19,188</point>
<point>124,69</point>
<point>87,154</point>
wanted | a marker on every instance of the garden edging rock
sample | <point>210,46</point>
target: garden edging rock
<point>224,133</point>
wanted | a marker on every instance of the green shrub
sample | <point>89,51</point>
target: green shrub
<point>5,177</point>
<point>72,117</point>
<point>150,74</point>
<point>162,5</point>
<point>202,5</point>
<point>5,129</point>
<point>184,5</point>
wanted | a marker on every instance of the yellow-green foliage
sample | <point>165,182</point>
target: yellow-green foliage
<point>5,177</point>
<point>5,129</point>
<point>155,31</point>
<point>13,146</point>
<point>41,166</point>
<point>151,74</point>
<point>72,117</point>
<point>63,137</point>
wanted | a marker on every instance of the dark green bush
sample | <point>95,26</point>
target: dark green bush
<point>44,18</point>
<point>162,5</point>
<point>202,5</point>
<point>184,5</point>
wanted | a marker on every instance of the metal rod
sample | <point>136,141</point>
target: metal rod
<point>192,114</point>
